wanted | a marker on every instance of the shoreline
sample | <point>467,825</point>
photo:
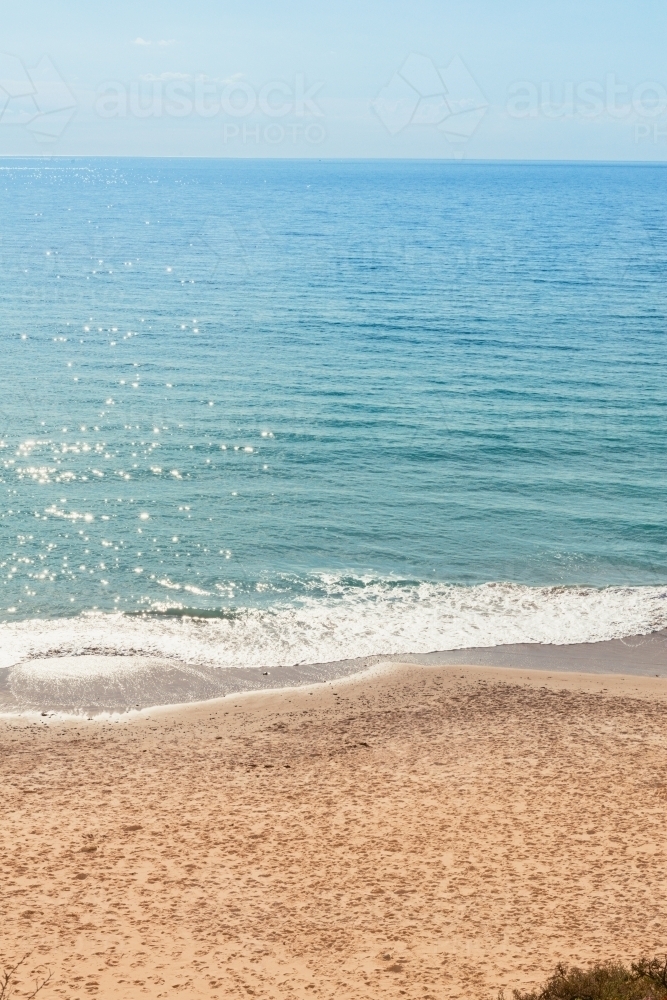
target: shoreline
<point>436,830</point>
<point>650,687</point>
<point>98,685</point>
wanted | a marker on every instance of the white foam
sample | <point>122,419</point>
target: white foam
<point>351,620</point>
<point>65,668</point>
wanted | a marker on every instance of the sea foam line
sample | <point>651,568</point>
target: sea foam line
<point>348,621</point>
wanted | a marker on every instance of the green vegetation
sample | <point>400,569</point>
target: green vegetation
<point>644,980</point>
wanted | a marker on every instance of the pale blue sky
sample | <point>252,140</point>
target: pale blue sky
<point>482,80</point>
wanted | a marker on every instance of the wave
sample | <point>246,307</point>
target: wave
<point>340,618</point>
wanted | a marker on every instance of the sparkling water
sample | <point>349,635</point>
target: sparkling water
<point>258,413</point>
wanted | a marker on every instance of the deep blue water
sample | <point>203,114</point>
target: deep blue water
<point>248,384</point>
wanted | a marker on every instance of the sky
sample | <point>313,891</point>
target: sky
<point>359,78</point>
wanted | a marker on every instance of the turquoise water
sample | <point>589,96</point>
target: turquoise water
<point>301,410</point>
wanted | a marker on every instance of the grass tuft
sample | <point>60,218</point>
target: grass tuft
<point>644,980</point>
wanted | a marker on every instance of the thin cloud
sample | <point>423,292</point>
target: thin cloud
<point>154,77</point>
<point>140,41</point>
<point>163,43</point>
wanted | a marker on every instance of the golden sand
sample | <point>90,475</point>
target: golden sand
<point>431,832</point>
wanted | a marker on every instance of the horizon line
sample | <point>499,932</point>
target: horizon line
<point>335,159</point>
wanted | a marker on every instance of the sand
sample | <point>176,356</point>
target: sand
<point>97,683</point>
<point>430,832</point>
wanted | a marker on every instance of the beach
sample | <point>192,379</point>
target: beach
<point>422,831</point>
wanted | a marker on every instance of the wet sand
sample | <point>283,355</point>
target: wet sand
<point>93,683</point>
<point>430,832</point>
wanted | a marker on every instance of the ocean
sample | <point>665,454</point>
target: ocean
<point>259,414</point>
